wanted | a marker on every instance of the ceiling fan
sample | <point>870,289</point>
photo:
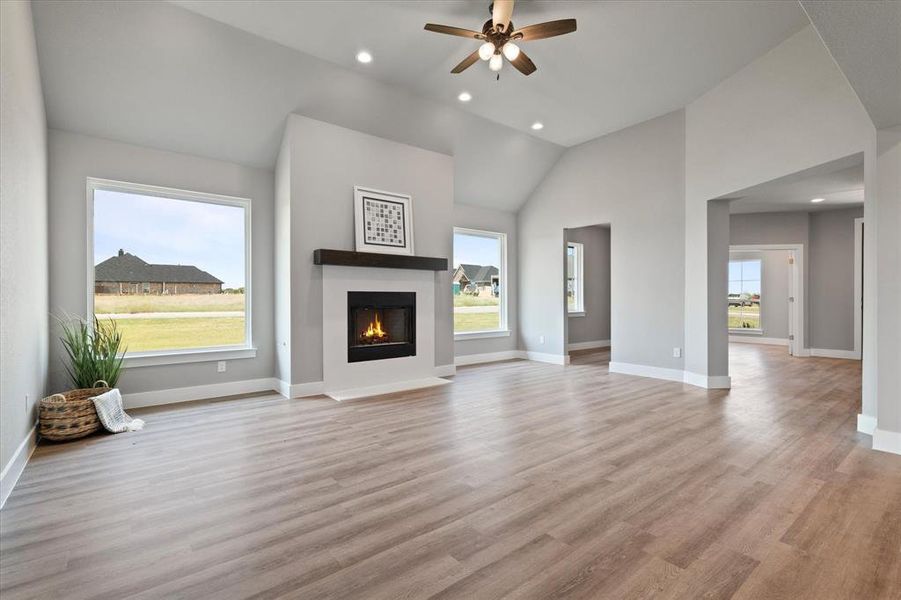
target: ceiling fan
<point>499,35</point>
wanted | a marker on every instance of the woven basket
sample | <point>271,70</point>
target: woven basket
<point>71,415</point>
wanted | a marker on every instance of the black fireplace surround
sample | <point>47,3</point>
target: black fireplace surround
<point>380,325</point>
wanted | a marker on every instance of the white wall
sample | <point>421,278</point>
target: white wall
<point>787,111</point>
<point>594,325</point>
<point>23,237</point>
<point>74,158</point>
<point>474,217</point>
<point>633,180</point>
<point>327,161</point>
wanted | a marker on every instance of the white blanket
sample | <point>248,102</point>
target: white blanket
<point>112,415</point>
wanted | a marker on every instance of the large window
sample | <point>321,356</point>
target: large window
<point>575,280</point>
<point>170,267</point>
<point>480,296</point>
<point>744,294</point>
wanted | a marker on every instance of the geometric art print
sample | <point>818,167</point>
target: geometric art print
<point>384,222</point>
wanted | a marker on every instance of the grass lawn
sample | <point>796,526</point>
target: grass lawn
<point>141,335</point>
<point>464,300</point>
<point>475,321</point>
<point>748,314</point>
<point>109,303</point>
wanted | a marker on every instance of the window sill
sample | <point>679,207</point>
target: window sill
<point>475,335</point>
<point>576,313</point>
<point>747,331</point>
<point>152,359</point>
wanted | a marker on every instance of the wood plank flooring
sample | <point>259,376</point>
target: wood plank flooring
<point>520,480</point>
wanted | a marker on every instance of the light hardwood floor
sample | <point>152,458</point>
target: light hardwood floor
<point>520,480</point>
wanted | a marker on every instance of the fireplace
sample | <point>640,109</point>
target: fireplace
<point>380,325</point>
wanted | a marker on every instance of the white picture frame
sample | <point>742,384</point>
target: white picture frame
<point>383,221</point>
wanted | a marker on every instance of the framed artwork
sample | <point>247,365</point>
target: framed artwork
<point>383,221</point>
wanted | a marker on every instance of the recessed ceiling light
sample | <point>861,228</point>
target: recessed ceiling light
<point>537,125</point>
<point>464,97</point>
<point>364,57</point>
<point>818,200</point>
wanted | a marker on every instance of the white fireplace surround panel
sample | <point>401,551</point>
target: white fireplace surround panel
<point>340,378</point>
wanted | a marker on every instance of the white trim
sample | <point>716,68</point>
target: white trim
<point>13,469</point>
<point>487,357</point>
<point>198,355</point>
<point>646,371</point>
<point>554,359</point>
<point>502,328</point>
<point>386,388</point>
<point>828,353</point>
<point>580,313</point>
<point>695,379</point>
<point>796,290</point>
<point>858,284</point>
<point>303,390</point>
<point>199,392</point>
<point>578,278</point>
<point>756,339</point>
<point>96,183</point>
<point>588,345</point>
<point>445,370</point>
<point>866,424</point>
<point>887,441</point>
<point>475,335</point>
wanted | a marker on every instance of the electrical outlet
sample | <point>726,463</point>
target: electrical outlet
<point>221,366</point>
<point>541,339</point>
<point>677,352</point>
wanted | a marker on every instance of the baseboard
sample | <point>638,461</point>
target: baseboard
<point>199,392</point>
<point>646,371</point>
<point>554,359</point>
<point>703,381</point>
<point>827,353</point>
<point>866,424</point>
<point>13,469</point>
<point>756,339</point>
<point>302,390</point>
<point>588,345</point>
<point>887,441</point>
<point>487,357</point>
<point>386,388</point>
<point>710,382</point>
<point>445,370</point>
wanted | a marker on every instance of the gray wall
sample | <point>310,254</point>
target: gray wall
<point>327,161</point>
<point>595,324</point>
<point>499,221</point>
<point>74,158</point>
<point>774,290</point>
<point>23,229</point>
<point>633,180</point>
<point>828,240</point>
<point>831,279</point>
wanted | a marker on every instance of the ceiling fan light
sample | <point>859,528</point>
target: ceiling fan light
<point>496,62</point>
<point>486,50</point>
<point>511,51</point>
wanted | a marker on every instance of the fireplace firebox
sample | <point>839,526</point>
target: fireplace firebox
<point>380,325</point>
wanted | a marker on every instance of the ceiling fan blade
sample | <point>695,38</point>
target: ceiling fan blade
<point>501,12</point>
<point>458,31</point>
<point>541,31</point>
<point>466,63</point>
<point>524,64</point>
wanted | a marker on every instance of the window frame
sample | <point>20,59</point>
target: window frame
<point>176,355</point>
<point>503,328</point>
<point>578,278</point>
<point>746,330</point>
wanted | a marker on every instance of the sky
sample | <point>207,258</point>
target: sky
<point>744,276</point>
<point>166,231</point>
<point>476,250</point>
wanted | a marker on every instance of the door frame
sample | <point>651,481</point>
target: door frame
<point>858,285</point>
<point>796,289</point>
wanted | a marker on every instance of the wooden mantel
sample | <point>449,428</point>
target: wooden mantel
<point>348,258</point>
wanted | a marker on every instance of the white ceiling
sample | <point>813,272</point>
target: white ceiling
<point>864,37</point>
<point>839,182</point>
<point>628,61</point>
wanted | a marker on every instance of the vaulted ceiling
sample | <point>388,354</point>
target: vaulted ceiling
<point>218,79</point>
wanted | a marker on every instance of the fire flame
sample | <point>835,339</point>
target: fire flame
<point>374,331</point>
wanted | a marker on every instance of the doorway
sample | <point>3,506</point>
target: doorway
<point>587,288</point>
